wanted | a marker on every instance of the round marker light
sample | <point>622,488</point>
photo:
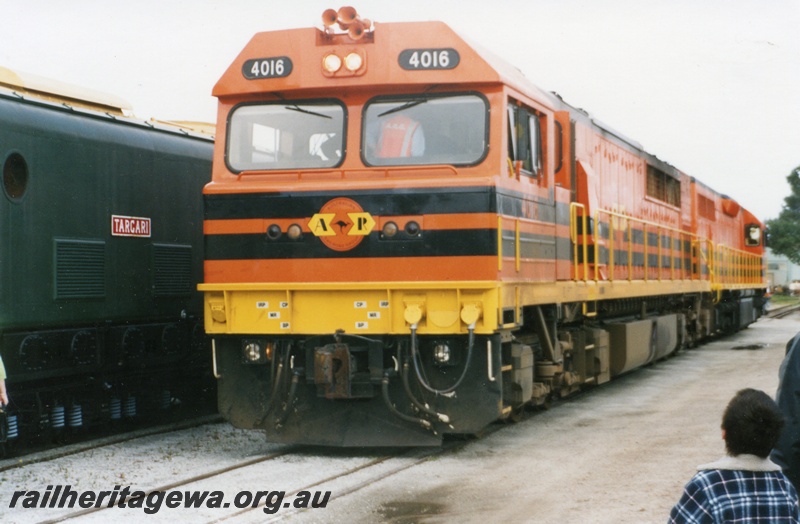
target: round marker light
<point>389,229</point>
<point>331,63</point>
<point>294,232</point>
<point>412,228</point>
<point>353,62</point>
<point>274,231</point>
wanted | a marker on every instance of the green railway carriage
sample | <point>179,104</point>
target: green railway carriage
<point>100,252</point>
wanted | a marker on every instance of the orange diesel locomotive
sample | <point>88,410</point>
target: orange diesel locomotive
<point>405,238</point>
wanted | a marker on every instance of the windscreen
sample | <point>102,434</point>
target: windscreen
<point>286,135</point>
<point>425,130</point>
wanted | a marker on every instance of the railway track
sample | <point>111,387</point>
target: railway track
<point>371,469</point>
<point>367,469</point>
<point>181,483</point>
<point>782,311</point>
<point>348,482</point>
<point>46,455</point>
<point>292,469</point>
<point>337,472</point>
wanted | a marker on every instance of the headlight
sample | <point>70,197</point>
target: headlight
<point>252,351</point>
<point>256,351</point>
<point>441,353</point>
<point>353,62</point>
<point>331,63</point>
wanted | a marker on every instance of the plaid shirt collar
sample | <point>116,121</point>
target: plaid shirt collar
<point>742,462</point>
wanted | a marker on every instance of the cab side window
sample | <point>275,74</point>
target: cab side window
<point>525,139</point>
<point>752,235</point>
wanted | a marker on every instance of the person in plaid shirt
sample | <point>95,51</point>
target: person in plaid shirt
<point>745,486</point>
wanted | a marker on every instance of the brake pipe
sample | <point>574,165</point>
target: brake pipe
<point>277,376</point>
<point>422,407</point>
<point>385,389</point>
<point>289,401</point>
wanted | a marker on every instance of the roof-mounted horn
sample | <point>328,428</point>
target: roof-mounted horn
<point>348,21</point>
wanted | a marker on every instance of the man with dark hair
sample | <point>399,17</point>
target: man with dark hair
<point>744,486</point>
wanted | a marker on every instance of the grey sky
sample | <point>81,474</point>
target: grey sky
<point>711,86</point>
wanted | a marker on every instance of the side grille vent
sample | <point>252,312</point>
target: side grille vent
<point>80,269</point>
<point>172,269</point>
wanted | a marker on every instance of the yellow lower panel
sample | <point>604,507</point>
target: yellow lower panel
<point>436,308</point>
<point>355,308</point>
<point>565,292</point>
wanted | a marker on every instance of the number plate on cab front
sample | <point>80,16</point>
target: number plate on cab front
<point>426,59</point>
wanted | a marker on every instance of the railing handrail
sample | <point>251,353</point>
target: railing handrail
<point>723,264</point>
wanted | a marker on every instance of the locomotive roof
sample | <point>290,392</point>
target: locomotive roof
<point>306,47</point>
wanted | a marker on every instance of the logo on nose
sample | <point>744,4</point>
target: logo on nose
<point>341,224</point>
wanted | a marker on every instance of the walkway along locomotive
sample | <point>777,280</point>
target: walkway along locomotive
<point>406,238</point>
<point>100,253</point>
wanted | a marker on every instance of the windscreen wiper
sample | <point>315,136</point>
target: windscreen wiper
<point>306,111</point>
<point>403,107</point>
